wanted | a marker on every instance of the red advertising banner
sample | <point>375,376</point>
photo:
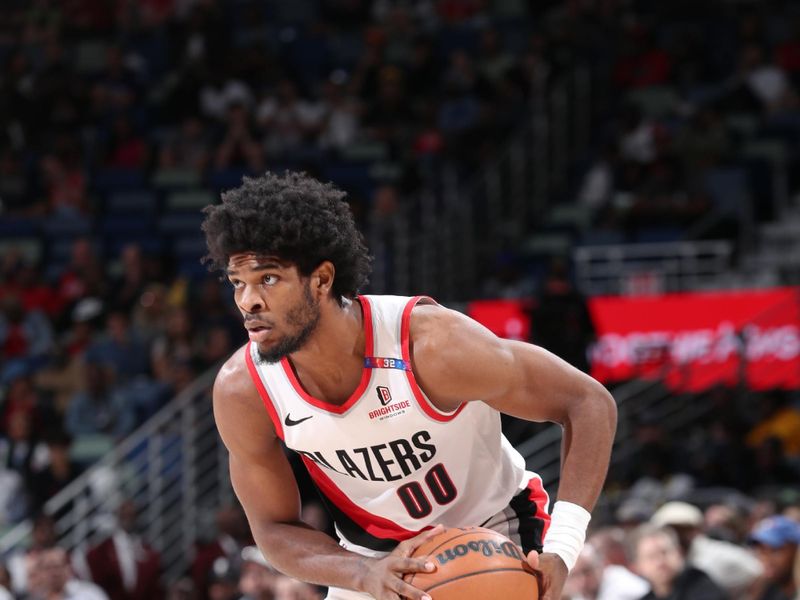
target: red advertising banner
<point>700,339</point>
<point>692,340</point>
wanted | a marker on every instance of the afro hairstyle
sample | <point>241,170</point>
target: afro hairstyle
<point>294,218</point>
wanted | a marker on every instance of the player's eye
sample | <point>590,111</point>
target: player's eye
<point>235,283</point>
<point>270,280</point>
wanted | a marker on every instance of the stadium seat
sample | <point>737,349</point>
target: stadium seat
<point>190,247</point>
<point>193,200</point>
<point>89,448</point>
<point>729,190</point>
<point>113,225</point>
<point>140,201</point>
<point>62,226</point>
<point>176,223</point>
<point>30,248</point>
<point>547,244</point>
<point>176,178</point>
<point>109,180</point>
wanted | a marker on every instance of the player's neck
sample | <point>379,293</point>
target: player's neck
<point>335,351</point>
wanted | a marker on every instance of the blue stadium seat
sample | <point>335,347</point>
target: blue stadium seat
<point>352,177</point>
<point>225,179</point>
<point>177,223</point>
<point>729,190</point>
<point>133,201</point>
<point>190,247</point>
<point>63,226</point>
<point>109,180</point>
<point>112,225</point>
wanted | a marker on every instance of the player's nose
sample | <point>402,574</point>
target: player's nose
<point>251,300</point>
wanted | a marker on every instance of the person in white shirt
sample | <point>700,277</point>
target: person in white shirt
<point>50,578</point>
<point>732,567</point>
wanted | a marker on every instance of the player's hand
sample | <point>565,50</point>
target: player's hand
<point>384,577</point>
<point>553,573</point>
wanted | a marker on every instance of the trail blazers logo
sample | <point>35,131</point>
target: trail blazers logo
<point>388,409</point>
<point>384,395</point>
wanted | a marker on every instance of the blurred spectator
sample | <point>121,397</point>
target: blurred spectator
<point>288,121</point>
<point>127,148</point>
<point>239,147</point>
<point>584,579</point>
<point>258,579</point>
<point>233,535</point>
<point>99,408</point>
<point>341,114</point>
<point>183,589</point>
<point>287,588</point>
<point>43,536</point>
<point>561,318</point>
<point>23,334</point>
<point>173,345</point>
<point>50,578</point>
<point>21,449</point>
<point>731,567</point>
<point>222,581</point>
<point>779,420</point>
<point>83,276</point>
<point>124,565</point>
<point>120,347</point>
<point>5,584</point>
<point>617,581</point>
<point>776,540</point>
<point>186,148</point>
<point>66,184</point>
<point>13,497</point>
<point>129,285</point>
<point>60,470</point>
<point>656,556</point>
<point>766,81</point>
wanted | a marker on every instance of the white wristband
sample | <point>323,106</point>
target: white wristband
<point>567,532</point>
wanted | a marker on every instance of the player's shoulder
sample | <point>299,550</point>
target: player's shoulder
<point>434,328</point>
<point>233,380</point>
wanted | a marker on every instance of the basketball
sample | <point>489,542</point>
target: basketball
<point>474,563</point>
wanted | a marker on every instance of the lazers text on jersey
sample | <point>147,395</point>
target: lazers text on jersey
<point>382,462</point>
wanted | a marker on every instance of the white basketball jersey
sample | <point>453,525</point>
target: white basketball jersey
<point>387,462</point>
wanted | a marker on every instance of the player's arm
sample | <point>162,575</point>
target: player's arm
<point>456,360</point>
<point>265,485</point>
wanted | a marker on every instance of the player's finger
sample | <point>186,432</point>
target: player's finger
<point>533,559</point>
<point>413,565</point>
<point>405,590</point>
<point>407,547</point>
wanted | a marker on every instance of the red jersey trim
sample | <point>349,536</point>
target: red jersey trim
<point>262,391</point>
<point>430,410</point>
<point>366,374</point>
<point>376,526</point>
<point>539,496</point>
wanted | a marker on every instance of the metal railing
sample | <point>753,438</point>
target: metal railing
<point>669,266</point>
<point>174,467</point>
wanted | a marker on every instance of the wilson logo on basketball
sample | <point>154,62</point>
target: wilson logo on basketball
<point>485,547</point>
<point>384,395</point>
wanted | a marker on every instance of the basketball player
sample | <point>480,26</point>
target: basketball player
<point>393,404</point>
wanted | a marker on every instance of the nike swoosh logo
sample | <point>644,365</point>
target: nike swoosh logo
<point>289,421</point>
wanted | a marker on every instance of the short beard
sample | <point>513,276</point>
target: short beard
<point>306,317</point>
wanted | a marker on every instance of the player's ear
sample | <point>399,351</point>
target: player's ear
<point>322,278</point>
